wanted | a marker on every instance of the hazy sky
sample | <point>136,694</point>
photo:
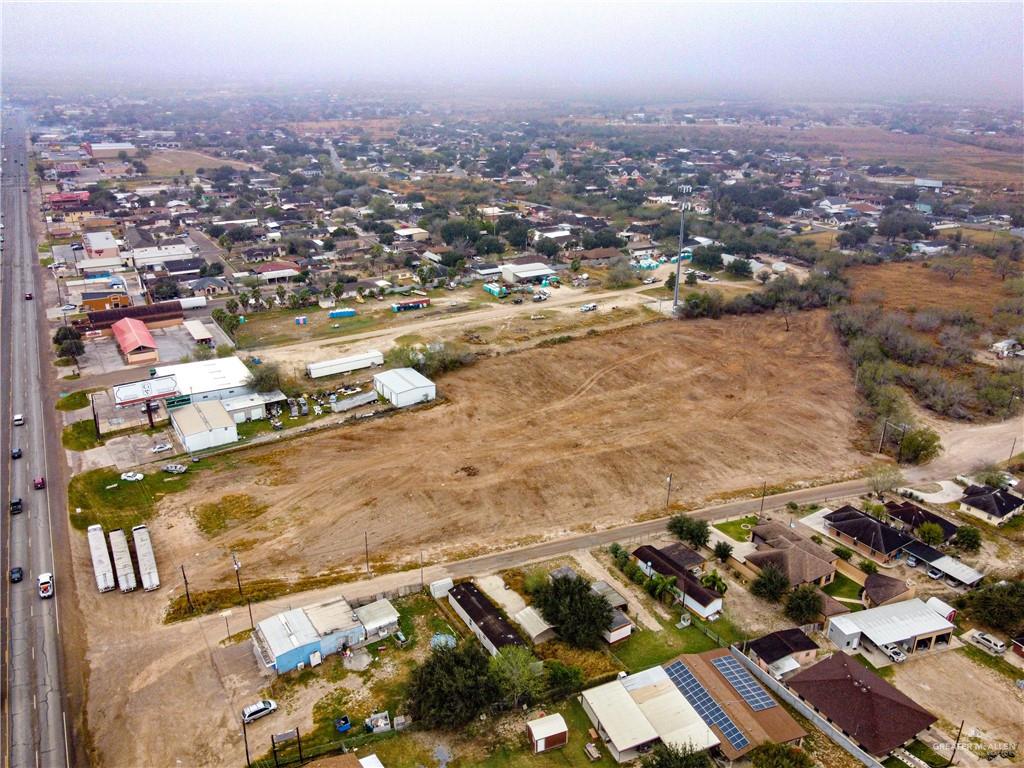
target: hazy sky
<point>869,50</point>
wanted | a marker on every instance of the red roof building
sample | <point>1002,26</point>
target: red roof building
<point>135,341</point>
<point>61,200</point>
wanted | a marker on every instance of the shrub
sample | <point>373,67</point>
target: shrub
<point>967,538</point>
<point>723,550</point>
<point>803,604</point>
<point>921,445</point>
<point>581,616</point>
<point>535,580</point>
<point>842,553</point>
<point>771,584</point>
<point>868,566</point>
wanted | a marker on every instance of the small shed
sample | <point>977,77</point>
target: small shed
<point>547,733</point>
<point>404,386</point>
<point>378,618</point>
<point>204,425</point>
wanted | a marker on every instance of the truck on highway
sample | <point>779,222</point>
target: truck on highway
<point>122,561</point>
<point>101,559</point>
<point>147,560</point>
<point>369,359</point>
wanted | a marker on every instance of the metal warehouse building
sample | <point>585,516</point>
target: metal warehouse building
<point>200,426</point>
<point>216,379</point>
<point>404,386</point>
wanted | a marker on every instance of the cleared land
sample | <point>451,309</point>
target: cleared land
<point>168,162</point>
<point>531,445</point>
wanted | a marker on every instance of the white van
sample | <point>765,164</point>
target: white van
<point>989,643</point>
<point>19,419</point>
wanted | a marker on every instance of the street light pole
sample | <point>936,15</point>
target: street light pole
<point>238,572</point>
<point>679,256</point>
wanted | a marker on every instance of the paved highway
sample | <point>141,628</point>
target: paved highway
<point>34,722</point>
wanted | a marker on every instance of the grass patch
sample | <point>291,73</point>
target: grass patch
<point>844,587</point>
<point>734,528</point>
<point>595,663</point>
<point>80,436</point>
<point>74,400</point>
<point>215,517</point>
<point>923,752</point>
<point>64,362</point>
<point>883,672</point>
<point>646,648</point>
<point>104,498</point>
<point>238,637</point>
<point>46,261</point>
<point>72,377</point>
<point>995,663</point>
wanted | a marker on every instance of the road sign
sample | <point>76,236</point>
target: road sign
<point>157,388</point>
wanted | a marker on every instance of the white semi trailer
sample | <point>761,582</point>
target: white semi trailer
<point>147,560</point>
<point>100,559</point>
<point>369,359</point>
<point>122,561</point>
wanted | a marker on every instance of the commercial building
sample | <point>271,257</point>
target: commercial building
<point>862,705</point>
<point>205,425</point>
<point>404,386</point>
<point>253,406</point>
<point>135,341</point>
<point>534,272</point>
<point>910,624</point>
<point>636,712</point>
<point>482,617</point>
<point>110,150</point>
<point>98,301</point>
<point>101,245</point>
<point>216,379</point>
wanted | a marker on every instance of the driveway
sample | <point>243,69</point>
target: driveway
<point>598,572</point>
<point>949,491</point>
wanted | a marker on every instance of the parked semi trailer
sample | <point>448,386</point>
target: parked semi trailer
<point>405,306</point>
<point>147,560</point>
<point>122,561</point>
<point>100,559</point>
<point>369,359</point>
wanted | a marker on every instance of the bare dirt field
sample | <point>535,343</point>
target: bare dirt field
<point>375,128</point>
<point>911,285</point>
<point>168,162</point>
<point>530,445</point>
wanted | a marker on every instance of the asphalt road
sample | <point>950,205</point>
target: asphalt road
<point>35,716</point>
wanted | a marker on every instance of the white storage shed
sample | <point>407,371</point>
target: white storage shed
<point>404,386</point>
<point>205,425</point>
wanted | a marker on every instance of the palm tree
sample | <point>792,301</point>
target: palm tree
<point>658,586</point>
<point>714,581</point>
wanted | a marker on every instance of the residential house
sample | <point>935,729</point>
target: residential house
<point>782,652</point>
<point>866,534</point>
<point>800,559</point>
<point>911,517</point>
<point>872,712</point>
<point>880,589</point>
<point>482,617</point>
<point>703,601</point>
<point>993,505</point>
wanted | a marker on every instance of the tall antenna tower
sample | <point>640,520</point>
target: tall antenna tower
<point>679,256</point>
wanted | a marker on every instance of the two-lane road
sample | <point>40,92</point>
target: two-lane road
<point>35,721</point>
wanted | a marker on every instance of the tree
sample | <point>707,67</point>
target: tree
<point>921,445</point>
<point>763,276</point>
<point>723,550</point>
<point>691,279</point>
<point>64,333</point>
<point>772,755</point>
<point>547,247</point>
<point>659,586</point>
<point>843,553</point>
<point>232,306</point>
<point>619,273</point>
<point>967,538</point>
<point>868,566</point>
<point>952,268</point>
<point>165,289</point>
<point>739,268</point>
<point>803,604</point>
<point>713,580</point>
<point>265,377</point>
<point>771,584</point>
<point>695,532</point>
<point>670,281</point>
<point>563,679</point>
<point>1004,268</point>
<point>72,348</point>
<point>512,671</point>
<point>451,687</point>
<point>885,477</point>
<point>999,605</point>
<point>930,533</point>
<point>578,615</point>
<point>671,756</point>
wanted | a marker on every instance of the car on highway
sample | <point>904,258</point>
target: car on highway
<point>17,574</point>
<point>16,505</point>
<point>45,581</point>
<point>176,469</point>
<point>258,710</point>
<point>15,453</point>
<point>28,297</point>
<point>39,483</point>
<point>132,477</point>
<point>19,420</point>
<point>161,447</point>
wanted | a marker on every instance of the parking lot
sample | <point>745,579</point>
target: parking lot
<point>130,451</point>
<point>103,356</point>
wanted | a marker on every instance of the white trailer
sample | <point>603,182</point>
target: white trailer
<point>192,302</point>
<point>369,359</point>
<point>147,560</point>
<point>122,561</point>
<point>100,559</point>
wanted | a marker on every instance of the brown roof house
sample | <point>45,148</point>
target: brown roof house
<point>880,589</point>
<point>672,561</point>
<point>803,561</point>
<point>782,652</point>
<point>864,706</point>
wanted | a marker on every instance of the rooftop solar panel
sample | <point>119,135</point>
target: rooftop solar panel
<point>708,709</point>
<point>744,683</point>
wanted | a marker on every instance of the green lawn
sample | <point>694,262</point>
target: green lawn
<point>80,436</point>
<point>734,528</point>
<point>646,648</point>
<point>922,751</point>
<point>843,587</point>
<point>105,498</point>
<point>995,663</point>
<point>883,672</point>
<point>74,400</point>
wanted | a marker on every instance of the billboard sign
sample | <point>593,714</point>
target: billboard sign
<point>158,388</point>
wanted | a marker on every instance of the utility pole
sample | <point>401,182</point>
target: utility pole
<point>238,572</point>
<point>188,597</point>
<point>764,490</point>
<point>668,494</point>
<point>245,738</point>
<point>1012,448</point>
<point>956,744</point>
<point>679,256</point>
<point>366,546</point>
<point>881,440</point>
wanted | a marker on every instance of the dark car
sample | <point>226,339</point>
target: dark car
<point>28,297</point>
<point>17,574</point>
<point>15,505</point>
<point>15,453</point>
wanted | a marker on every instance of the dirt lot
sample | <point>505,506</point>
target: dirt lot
<point>167,162</point>
<point>990,706</point>
<point>912,286</point>
<point>533,444</point>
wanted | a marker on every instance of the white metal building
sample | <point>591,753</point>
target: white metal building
<point>525,273</point>
<point>404,386</point>
<point>204,425</point>
<point>378,618</point>
<point>911,624</point>
<point>216,379</point>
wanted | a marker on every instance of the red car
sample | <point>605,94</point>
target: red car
<point>39,483</point>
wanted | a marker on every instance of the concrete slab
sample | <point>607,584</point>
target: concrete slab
<point>950,492</point>
<point>128,451</point>
<point>494,587</point>
<point>358,660</point>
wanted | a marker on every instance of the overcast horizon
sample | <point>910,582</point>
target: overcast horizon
<point>959,52</point>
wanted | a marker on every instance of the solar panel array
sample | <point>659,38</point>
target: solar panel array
<point>744,683</point>
<point>708,709</point>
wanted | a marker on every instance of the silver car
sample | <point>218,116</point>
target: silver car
<point>258,710</point>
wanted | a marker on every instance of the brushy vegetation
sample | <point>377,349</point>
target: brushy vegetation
<point>216,517</point>
<point>430,360</point>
